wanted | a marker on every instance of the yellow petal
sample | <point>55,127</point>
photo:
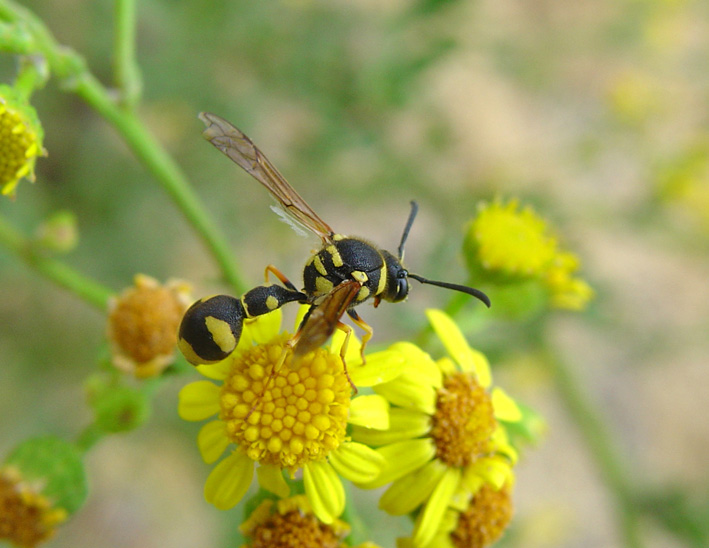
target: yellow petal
<point>419,363</point>
<point>494,471</point>
<point>198,400</point>
<point>271,478</point>
<point>451,337</point>
<point>264,328</point>
<point>409,492</point>
<point>505,407</point>
<point>356,462</point>
<point>481,367</point>
<point>429,520</point>
<point>370,412</point>
<point>407,391</point>
<point>212,441</point>
<point>381,367</point>
<point>402,458</point>
<point>216,371</point>
<point>324,490</point>
<point>228,482</point>
<point>404,424</point>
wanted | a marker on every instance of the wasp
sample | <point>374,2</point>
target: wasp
<point>345,272</point>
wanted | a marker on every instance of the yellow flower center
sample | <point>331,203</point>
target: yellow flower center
<point>512,241</point>
<point>485,519</point>
<point>26,517</point>
<point>292,528</point>
<point>464,421</point>
<point>19,147</point>
<point>284,413</point>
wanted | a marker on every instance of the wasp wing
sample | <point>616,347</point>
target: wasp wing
<point>323,319</point>
<point>239,148</point>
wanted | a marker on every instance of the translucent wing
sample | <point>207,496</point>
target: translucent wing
<point>244,153</point>
<point>323,319</point>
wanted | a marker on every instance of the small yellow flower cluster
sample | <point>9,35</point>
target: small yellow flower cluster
<point>507,244</point>
<point>20,141</point>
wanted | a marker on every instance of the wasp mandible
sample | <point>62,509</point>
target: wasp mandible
<point>345,272</point>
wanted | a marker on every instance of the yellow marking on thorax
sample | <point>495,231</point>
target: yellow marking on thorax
<point>323,285</point>
<point>359,276</point>
<point>382,280</point>
<point>335,255</point>
<point>319,266</point>
<point>221,333</point>
<point>363,293</point>
<point>271,302</point>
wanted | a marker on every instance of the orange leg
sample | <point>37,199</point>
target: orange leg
<point>278,274</point>
<point>368,331</point>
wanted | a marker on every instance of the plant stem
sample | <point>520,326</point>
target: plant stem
<point>126,71</point>
<point>85,288</point>
<point>600,444</point>
<point>70,68</point>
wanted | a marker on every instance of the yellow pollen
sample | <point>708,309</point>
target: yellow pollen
<point>294,416</point>
<point>464,421</point>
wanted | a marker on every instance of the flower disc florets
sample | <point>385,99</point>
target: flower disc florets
<point>282,415</point>
<point>290,523</point>
<point>142,325</point>
<point>27,518</point>
<point>485,519</point>
<point>20,140</point>
<point>464,421</point>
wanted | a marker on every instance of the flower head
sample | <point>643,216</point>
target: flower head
<point>445,440</point>
<point>20,140</point>
<point>27,518</point>
<point>42,482</point>
<point>287,416</point>
<point>142,325</point>
<point>479,523</point>
<point>511,245</point>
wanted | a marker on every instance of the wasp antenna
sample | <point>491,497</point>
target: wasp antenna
<point>455,287</point>
<point>409,222</point>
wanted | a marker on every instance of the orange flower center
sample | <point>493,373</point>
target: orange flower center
<point>485,519</point>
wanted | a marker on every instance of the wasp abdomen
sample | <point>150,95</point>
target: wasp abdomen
<point>345,259</point>
<point>210,329</point>
<point>267,298</point>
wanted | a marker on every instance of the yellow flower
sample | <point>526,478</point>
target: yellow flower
<point>289,523</point>
<point>287,416</point>
<point>42,483</point>
<point>509,241</point>
<point>480,523</point>
<point>444,441</point>
<point>142,325</point>
<point>20,140</point>
<point>507,244</point>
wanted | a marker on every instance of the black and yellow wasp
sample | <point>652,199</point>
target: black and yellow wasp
<point>345,272</point>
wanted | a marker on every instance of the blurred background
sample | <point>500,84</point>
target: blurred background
<point>593,112</point>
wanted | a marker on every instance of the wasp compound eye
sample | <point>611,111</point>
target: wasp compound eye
<point>210,329</point>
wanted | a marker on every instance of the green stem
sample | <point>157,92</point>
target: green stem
<point>89,437</point>
<point>126,71</point>
<point>165,171</point>
<point>70,68</point>
<point>58,272</point>
<point>601,445</point>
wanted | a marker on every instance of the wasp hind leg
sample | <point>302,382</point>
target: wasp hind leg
<point>364,326</point>
<point>278,274</point>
